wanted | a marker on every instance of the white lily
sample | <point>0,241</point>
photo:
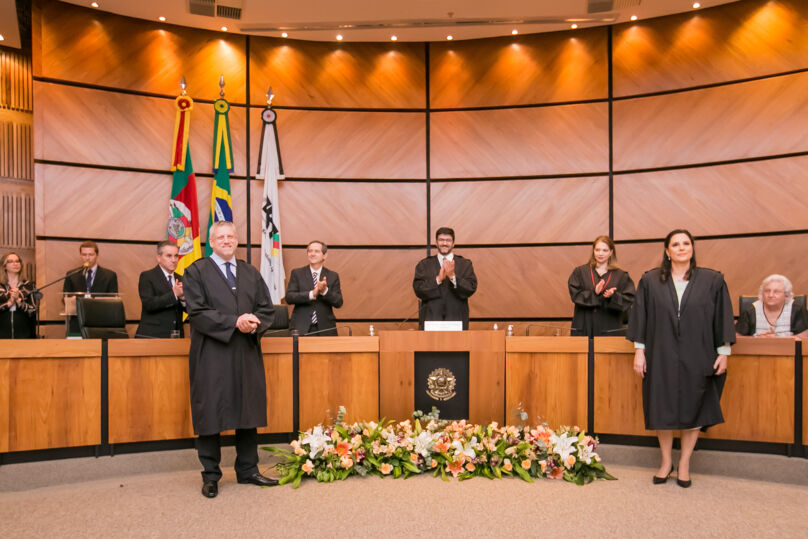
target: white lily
<point>423,443</point>
<point>563,445</point>
<point>585,453</point>
<point>467,449</point>
<point>316,440</point>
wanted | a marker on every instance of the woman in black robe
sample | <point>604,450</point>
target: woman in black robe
<point>601,291</point>
<point>681,325</point>
<point>17,305</point>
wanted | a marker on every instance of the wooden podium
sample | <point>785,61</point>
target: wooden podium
<point>486,351</point>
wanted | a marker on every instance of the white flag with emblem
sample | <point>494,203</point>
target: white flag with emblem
<point>270,170</point>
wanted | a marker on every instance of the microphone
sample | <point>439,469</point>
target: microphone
<point>409,317</point>
<point>318,331</point>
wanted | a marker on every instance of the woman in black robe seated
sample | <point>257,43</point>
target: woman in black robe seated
<point>774,314</point>
<point>17,305</point>
<point>682,327</point>
<point>601,291</point>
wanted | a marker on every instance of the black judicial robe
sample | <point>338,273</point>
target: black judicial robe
<point>445,301</point>
<point>228,384</point>
<point>680,389</point>
<point>595,315</point>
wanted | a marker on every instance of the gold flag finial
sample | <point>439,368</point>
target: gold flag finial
<point>183,85</point>
<point>270,95</point>
<point>221,86</point>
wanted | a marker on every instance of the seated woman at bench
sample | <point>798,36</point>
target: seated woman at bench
<point>775,313</point>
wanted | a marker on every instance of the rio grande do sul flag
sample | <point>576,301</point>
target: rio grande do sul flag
<point>183,211</point>
<point>270,170</point>
<point>221,205</point>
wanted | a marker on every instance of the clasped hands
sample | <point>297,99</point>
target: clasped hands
<point>14,296</point>
<point>321,287</point>
<point>247,323</point>
<point>447,271</point>
<point>177,288</point>
<point>607,293</point>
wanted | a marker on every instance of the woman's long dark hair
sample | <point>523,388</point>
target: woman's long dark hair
<point>665,267</point>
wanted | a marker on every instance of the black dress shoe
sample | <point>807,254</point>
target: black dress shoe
<point>662,480</point>
<point>210,489</point>
<point>258,479</point>
<point>684,484</point>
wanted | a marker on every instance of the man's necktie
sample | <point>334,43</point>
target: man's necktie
<point>170,281</point>
<point>89,279</point>
<point>229,274</point>
<point>314,312</point>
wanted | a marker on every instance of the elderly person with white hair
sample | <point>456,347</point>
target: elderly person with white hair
<point>774,314</point>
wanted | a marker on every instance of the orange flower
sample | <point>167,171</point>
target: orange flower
<point>470,466</point>
<point>386,468</point>
<point>557,472</point>
<point>543,464</point>
<point>441,446</point>
<point>346,462</point>
<point>308,466</point>
<point>455,467</point>
<point>507,465</point>
<point>570,462</point>
<point>434,463</point>
<point>343,448</point>
<point>414,458</point>
<point>526,464</point>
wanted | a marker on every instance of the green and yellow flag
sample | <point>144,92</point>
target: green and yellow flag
<point>221,205</point>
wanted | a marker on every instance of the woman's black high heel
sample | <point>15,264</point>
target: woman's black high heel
<point>663,480</point>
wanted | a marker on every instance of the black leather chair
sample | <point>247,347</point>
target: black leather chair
<point>280,322</point>
<point>101,318</point>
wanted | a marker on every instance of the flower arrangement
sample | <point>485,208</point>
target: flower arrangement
<point>458,449</point>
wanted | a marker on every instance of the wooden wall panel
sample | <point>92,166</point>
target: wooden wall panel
<point>93,47</point>
<point>49,394</point>
<point>514,70</point>
<point>752,119</point>
<point>523,282</point>
<point>356,213</point>
<point>527,211</point>
<point>730,42</point>
<point>760,196</point>
<point>546,378</point>
<point>80,125</point>
<point>565,139</point>
<point>804,389</point>
<point>341,144</point>
<point>376,283</point>
<point>77,202</point>
<point>350,75</point>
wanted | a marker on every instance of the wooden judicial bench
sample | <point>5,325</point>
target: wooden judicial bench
<point>57,394</point>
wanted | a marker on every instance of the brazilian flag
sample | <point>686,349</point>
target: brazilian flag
<point>221,204</point>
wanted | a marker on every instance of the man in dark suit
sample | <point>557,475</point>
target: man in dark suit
<point>315,293</point>
<point>228,311</point>
<point>161,296</point>
<point>444,283</point>
<point>94,280</point>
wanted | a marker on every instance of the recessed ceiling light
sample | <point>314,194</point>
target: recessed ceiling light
<point>161,19</point>
<point>284,34</point>
<point>339,37</point>
<point>633,17</point>
<point>2,38</point>
<point>696,5</point>
<point>94,4</point>
<point>573,26</point>
<point>393,38</point>
<point>224,28</point>
<point>449,38</point>
<point>514,31</point>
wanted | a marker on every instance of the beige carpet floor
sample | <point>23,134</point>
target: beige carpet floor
<point>157,495</point>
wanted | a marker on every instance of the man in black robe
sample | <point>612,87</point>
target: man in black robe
<point>228,310</point>
<point>444,283</point>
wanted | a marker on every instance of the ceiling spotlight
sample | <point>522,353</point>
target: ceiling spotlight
<point>339,37</point>
<point>514,31</point>
<point>696,5</point>
<point>393,38</point>
<point>2,38</point>
<point>284,34</point>
<point>94,4</point>
<point>161,19</point>
<point>449,38</point>
<point>224,28</point>
<point>573,26</point>
<point>633,17</point>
